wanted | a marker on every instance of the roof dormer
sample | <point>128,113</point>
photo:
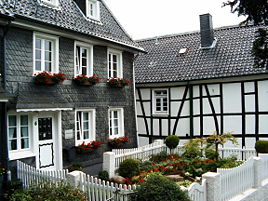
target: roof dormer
<point>93,9</point>
<point>90,8</point>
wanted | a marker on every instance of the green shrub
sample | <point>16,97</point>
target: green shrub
<point>211,154</point>
<point>192,149</point>
<point>129,168</point>
<point>261,146</point>
<point>172,141</point>
<point>104,175</point>
<point>11,187</point>
<point>49,192</point>
<point>159,157</point>
<point>158,187</point>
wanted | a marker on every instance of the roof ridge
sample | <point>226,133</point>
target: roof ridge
<point>194,32</point>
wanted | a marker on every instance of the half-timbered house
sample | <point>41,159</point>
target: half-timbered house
<point>195,84</point>
<point>42,124</point>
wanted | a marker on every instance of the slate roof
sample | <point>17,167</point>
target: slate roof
<point>69,17</point>
<point>231,57</point>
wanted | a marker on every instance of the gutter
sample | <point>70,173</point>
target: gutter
<point>98,37</point>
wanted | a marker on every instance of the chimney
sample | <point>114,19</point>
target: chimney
<point>206,30</point>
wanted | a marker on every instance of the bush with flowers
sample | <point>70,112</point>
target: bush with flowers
<point>85,80</point>
<point>47,78</point>
<point>118,142</point>
<point>88,147</point>
<point>118,82</point>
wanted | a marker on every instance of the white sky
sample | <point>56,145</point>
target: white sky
<point>149,18</point>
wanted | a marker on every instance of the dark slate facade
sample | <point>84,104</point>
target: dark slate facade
<point>27,95</point>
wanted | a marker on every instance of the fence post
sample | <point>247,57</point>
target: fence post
<point>257,172</point>
<point>213,187</point>
<point>109,163</point>
<point>73,178</point>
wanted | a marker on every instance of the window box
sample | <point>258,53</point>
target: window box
<point>117,142</point>
<point>46,78</point>
<point>85,80</point>
<point>85,148</point>
<point>118,82</point>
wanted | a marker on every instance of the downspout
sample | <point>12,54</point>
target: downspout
<point>4,142</point>
<point>135,102</point>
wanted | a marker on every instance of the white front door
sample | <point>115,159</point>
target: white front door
<point>47,152</point>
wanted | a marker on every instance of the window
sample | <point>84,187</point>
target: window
<point>51,2</point>
<point>85,126</point>
<point>160,101</point>
<point>114,64</point>
<point>45,53</point>
<point>93,9</point>
<point>83,59</point>
<point>18,132</point>
<point>116,122</point>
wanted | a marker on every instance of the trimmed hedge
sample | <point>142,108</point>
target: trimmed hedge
<point>159,188</point>
<point>129,168</point>
<point>261,146</point>
<point>172,141</point>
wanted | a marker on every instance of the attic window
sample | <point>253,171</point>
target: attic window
<point>183,51</point>
<point>93,9</point>
<point>53,3</point>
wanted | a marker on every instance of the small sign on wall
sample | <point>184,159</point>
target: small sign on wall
<point>68,134</point>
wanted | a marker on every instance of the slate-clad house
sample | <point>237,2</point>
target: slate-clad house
<point>43,123</point>
<point>192,88</point>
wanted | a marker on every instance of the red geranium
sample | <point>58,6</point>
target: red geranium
<point>118,82</point>
<point>48,78</point>
<point>118,142</point>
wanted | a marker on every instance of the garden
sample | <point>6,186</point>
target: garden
<point>198,157</point>
<point>166,175</point>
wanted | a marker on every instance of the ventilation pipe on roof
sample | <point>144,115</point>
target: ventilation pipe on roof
<point>206,30</point>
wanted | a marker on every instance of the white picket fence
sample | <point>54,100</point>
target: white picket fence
<point>236,180</point>
<point>198,192</point>
<point>31,176</point>
<point>241,154</point>
<point>100,190</point>
<point>95,189</point>
<point>144,152</point>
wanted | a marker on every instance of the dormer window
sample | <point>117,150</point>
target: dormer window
<point>93,9</point>
<point>54,3</point>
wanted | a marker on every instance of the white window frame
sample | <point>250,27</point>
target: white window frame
<point>21,153</point>
<point>53,3</point>
<point>154,96</point>
<point>92,132</point>
<point>119,60</point>
<point>121,130</point>
<point>89,58</point>
<point>96,14</point>
<point>55,52</point>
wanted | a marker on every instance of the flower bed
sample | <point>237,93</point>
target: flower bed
<point>46,78</point>
<point>118,82</point>
<point>118,142</point>
<point>85,80</point>
<point>88,147</point>
<point>189,169</point>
